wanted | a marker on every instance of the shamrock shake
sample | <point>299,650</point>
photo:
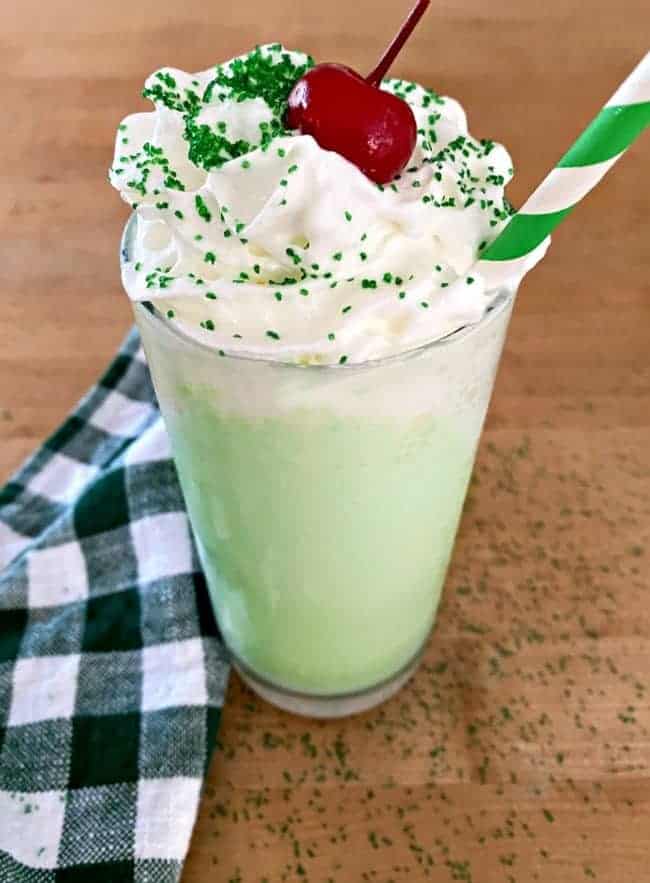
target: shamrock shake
<point>323,350</point>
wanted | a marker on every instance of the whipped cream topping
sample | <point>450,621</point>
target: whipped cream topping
<point>255,240</point>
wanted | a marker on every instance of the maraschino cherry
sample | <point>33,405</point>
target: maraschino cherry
<point>351,115</point>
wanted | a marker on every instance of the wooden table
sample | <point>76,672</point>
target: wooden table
<point>521,750</point>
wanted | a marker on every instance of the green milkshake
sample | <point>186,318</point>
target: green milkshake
<point>302,590</point>
<point>323,351</point>
<point>324,501</point>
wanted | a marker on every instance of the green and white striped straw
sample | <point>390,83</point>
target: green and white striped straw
<point>525,240</point>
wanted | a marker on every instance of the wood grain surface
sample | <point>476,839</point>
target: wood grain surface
<point>521,750</point>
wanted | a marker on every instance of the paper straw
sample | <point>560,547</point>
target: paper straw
<point>525,240</point>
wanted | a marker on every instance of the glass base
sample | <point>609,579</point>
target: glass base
<point>312,705</point>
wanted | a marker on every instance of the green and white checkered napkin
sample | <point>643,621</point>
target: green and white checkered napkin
<point>112,673</point>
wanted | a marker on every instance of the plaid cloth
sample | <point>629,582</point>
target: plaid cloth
<point>112,673</point>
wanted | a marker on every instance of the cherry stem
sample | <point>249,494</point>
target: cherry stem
<point>389,56</point>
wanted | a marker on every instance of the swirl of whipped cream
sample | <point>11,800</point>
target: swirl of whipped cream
<point>256,240</point>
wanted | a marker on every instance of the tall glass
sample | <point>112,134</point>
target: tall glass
<point>325,501</point>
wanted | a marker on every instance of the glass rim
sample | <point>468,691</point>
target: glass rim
<point>502,299</point>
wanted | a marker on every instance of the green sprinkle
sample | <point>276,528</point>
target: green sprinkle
<point>331,336</point>
<point>282,152</point>
<point>208,325</point>
<point>246,164</point>
<point>292,169</point>
<point>198,237</point>
<point>211,295</point>
<point>170,314</point>
<point>138,267</point>
<point>398,280</point>
<point>348,216</point>
<point>368,283</point>
<point>210,257</point>
<point>257,269</point>
<point>338,256</point>
<point>363,256</point>
<point>179,214</point>
<point>167,79</point>
<point>273,335</point>
<point>278,295</point>
<point>470,280</point>
<point>425,304</point>
<point>343,360</point>
<point>388,278</point>
<point>202,210</point>
<point>284,182</point>
<point>346,309</point>
<point>304,292</point>
<point>402,295</point>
